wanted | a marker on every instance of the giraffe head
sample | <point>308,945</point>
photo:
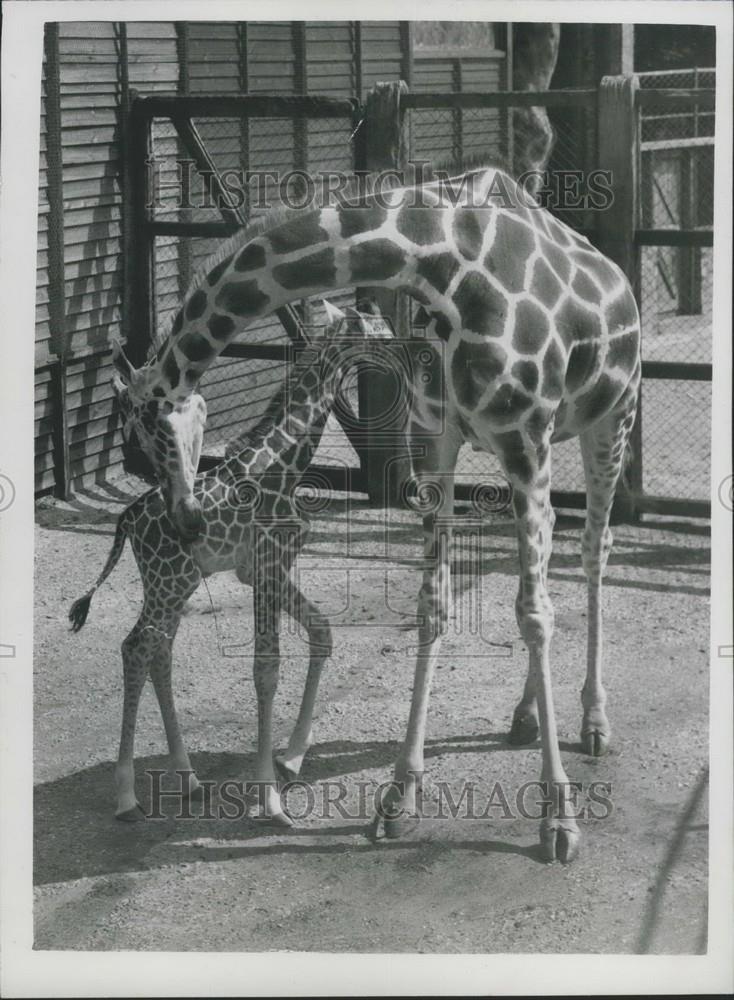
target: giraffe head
<point>350,336</point>
<point>170,434</point>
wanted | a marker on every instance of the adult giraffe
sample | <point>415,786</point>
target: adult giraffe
<point>540,338</point>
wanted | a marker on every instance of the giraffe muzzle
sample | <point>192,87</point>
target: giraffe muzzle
<point>189,519</point>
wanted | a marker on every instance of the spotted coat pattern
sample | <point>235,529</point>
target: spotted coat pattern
<point>538,334</point>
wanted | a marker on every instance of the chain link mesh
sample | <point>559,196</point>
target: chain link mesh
<point>676,285</point>
<point>457,139</point>
<point>237,391</point>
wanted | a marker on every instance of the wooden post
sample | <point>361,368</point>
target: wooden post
<point>619,152</point>
<point>385,460</point>
<point>615,48</point>
<point>56,297</point>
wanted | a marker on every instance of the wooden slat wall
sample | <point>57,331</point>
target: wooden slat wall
<point>43,437</point>
<point>92,83</point>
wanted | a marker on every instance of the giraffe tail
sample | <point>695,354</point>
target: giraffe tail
<point>80,608</point>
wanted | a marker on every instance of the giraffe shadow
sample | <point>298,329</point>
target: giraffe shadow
<point>77,836</point>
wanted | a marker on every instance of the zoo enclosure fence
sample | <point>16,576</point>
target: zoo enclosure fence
<point>660,231</point>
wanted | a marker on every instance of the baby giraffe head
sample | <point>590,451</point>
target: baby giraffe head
<point>170,434</point>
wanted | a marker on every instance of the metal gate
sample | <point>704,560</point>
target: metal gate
<point>619,127</point>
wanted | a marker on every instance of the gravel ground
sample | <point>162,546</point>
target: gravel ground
<point>457,884</point>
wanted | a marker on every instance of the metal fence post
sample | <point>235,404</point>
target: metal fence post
<point>385,460</point>
<point>619,152</point>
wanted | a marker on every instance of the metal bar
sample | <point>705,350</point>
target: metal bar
<point>684,371</point>
<point>191,139</point>
<point>673,506</point>
<point>667,96</point>
<point>211,230</point>
<point>253,106</point>
<point>666,144</point>
<point>183,38</point>
<point>406,51</point>
<point>258,352</point>
<point>142,324</point>
<point>357,58</point>
<point>674,237</point>
<point>515,98</point>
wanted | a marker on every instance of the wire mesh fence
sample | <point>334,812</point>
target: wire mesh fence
<point>262,164</point>
<point>676,284</point>
<point>515,138</point>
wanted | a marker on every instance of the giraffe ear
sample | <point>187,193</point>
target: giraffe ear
<point>334,315</point>
<point>120,362</point>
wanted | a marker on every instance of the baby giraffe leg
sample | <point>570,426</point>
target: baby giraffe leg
<point>137,650</point>
<point>160,672</point>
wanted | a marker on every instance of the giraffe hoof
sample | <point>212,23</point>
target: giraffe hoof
<point>134,815</point>
<point>594,742</point>
<point>524,730</point>
<point>280,821</point>
<point>195,794</point>
<point>400,826</point>
<point>559,840</point>
<point>285,773</point>
<point>395,818</point>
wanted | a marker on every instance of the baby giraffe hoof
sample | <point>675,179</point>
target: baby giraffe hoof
<point>195,793</point>
<point>524,730</point>
<point>279,821</point>
<point>559,840</point>
<point>133,815</point>
<point>594,742</point>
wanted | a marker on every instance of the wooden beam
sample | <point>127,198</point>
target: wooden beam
<point>254,106</point>
<point>503,99</point>
<point>385,461</point>
<point>674,237</point>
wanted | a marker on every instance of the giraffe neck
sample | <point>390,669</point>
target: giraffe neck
<point>290,430</point>
<point>318,251</point>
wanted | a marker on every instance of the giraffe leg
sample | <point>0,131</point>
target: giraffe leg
<point>559,834</point>
<point>289,763</point>
<point>525,723</point>
<point>160,672</point>
<point>434,462</point>
<point>602,447</point>
<point>137,649</point>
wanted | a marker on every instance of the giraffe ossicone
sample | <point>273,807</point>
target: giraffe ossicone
<point>540,339</point>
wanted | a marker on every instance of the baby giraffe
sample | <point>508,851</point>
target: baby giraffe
<point>252,524</point>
